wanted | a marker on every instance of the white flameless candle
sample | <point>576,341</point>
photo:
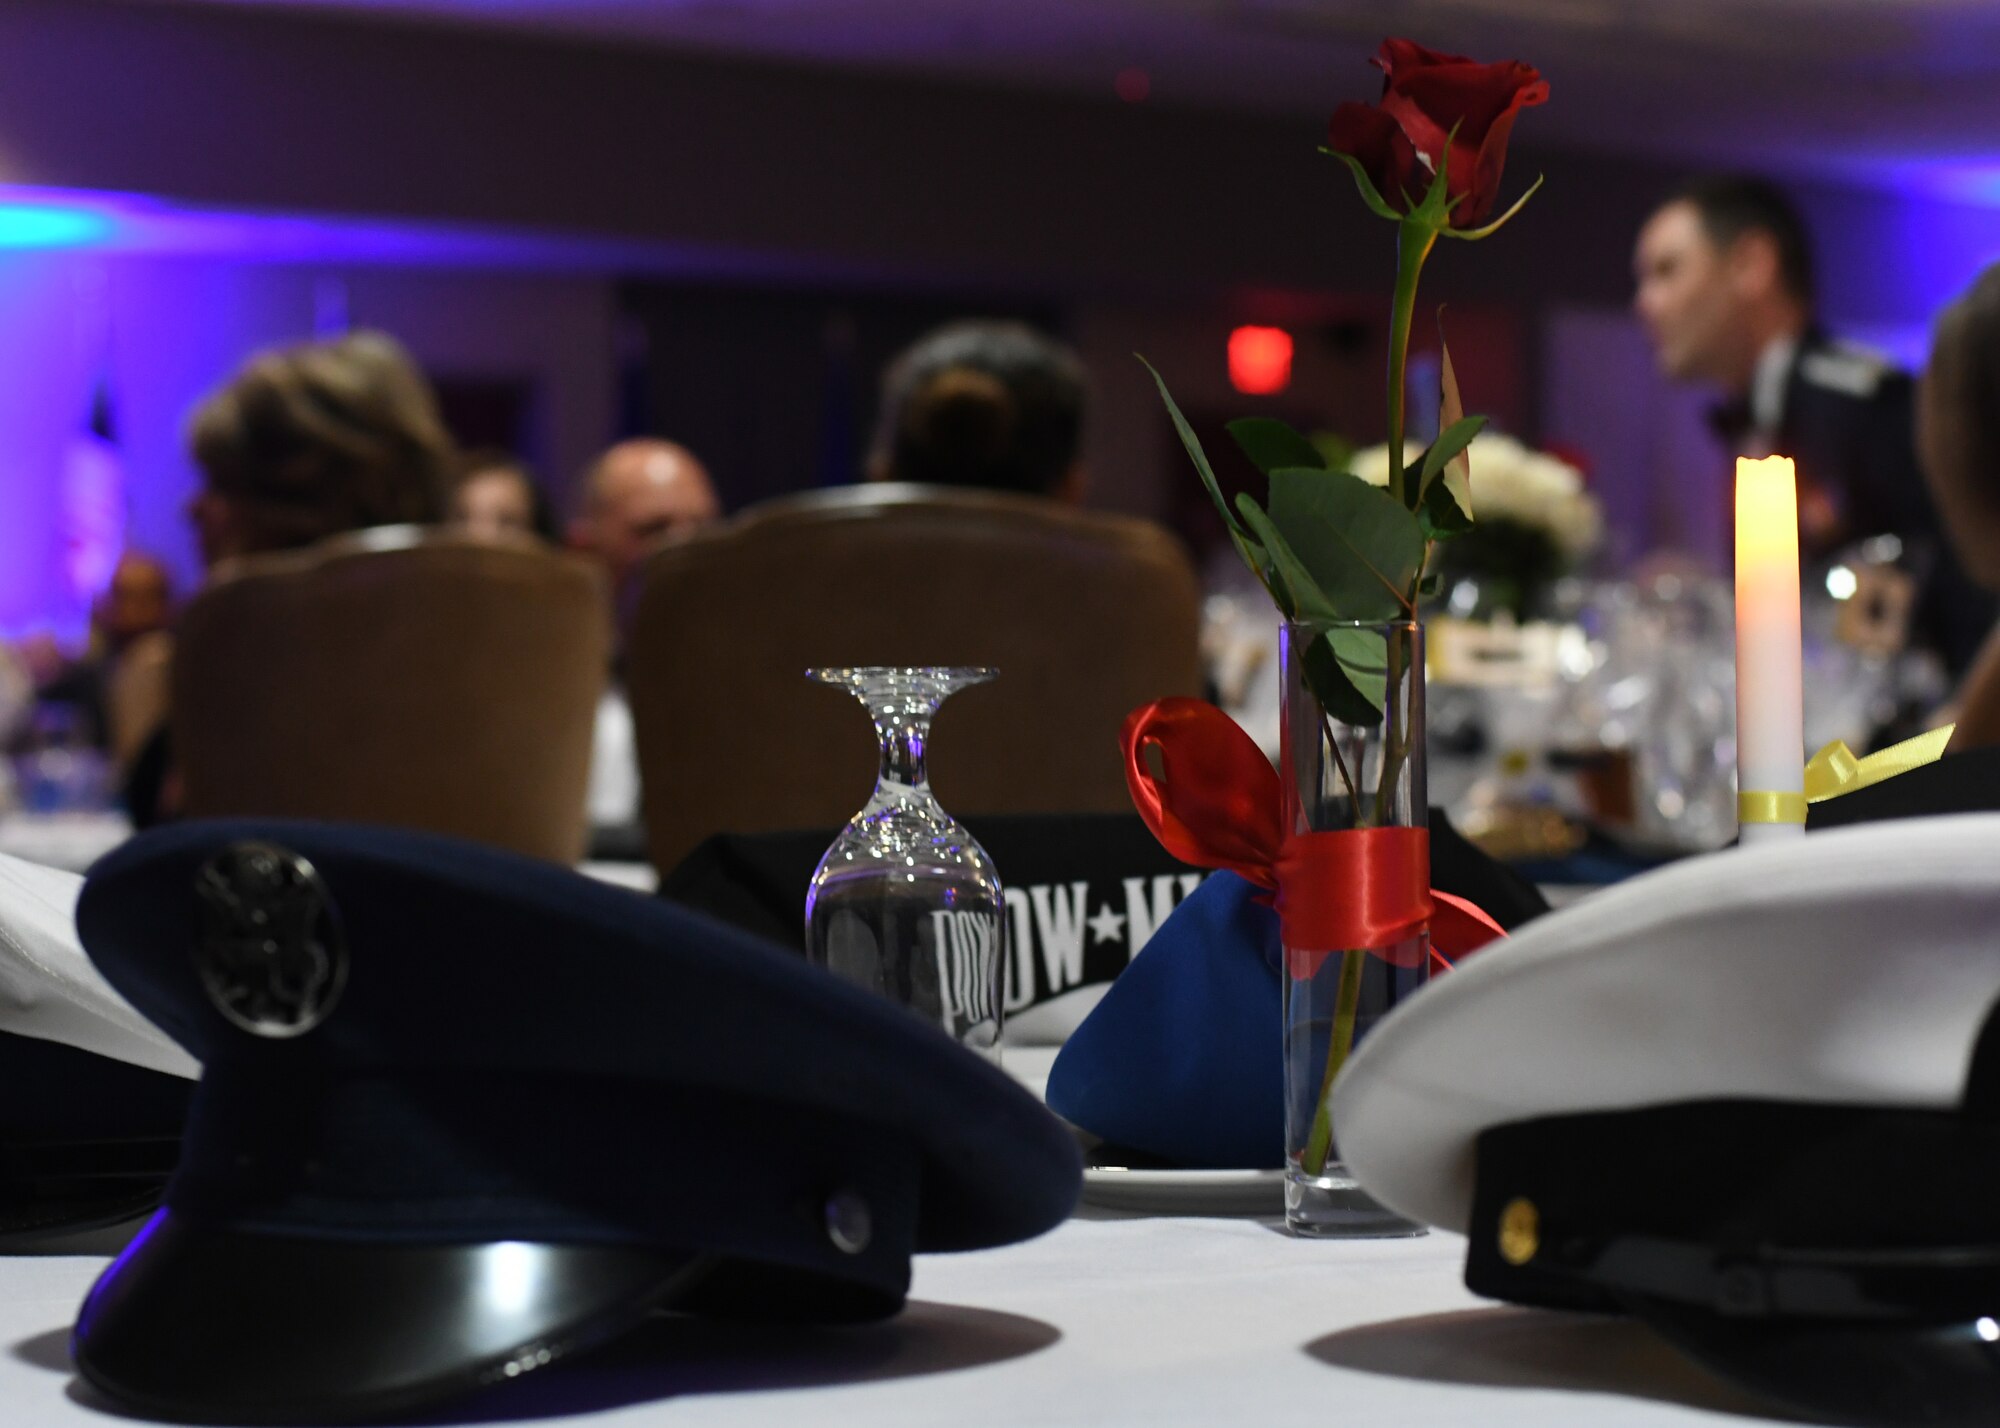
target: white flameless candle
<point>1770,675</point>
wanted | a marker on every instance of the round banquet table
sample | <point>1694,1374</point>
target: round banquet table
<point>1110,1319</point>
<point>1104,1321</point>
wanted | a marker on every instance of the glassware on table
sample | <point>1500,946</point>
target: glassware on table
<point>906,902</point>
<point>60,770</point>
<point>1342,773</point>
<point>1648,712</point>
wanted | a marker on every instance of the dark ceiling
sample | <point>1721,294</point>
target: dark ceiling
<point>1902,92</point>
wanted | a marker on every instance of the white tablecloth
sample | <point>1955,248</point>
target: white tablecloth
<point>1130,1321</point>
<point>72,841</point>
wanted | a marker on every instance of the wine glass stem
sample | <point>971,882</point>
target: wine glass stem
<point>903,750</point>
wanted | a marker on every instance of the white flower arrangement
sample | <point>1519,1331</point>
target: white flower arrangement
<point>1513,483</point>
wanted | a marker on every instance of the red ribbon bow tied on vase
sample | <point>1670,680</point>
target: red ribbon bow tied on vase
<point>1216,803</point>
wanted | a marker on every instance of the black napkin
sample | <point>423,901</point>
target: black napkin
<point>1957,783</point>
<point>1084,891</point>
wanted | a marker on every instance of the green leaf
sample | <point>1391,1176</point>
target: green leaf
<point>1292,586</point>
<point>1362,548</point>
<point>1335,450</point>
<point>1473,235</point>
<point>1409,486</point>
<point>1335,685</point>
<point>1435,210</point>
<point>1346,667</point>
<point>1454,439</point>
<point>1370,195</point>
<point>1259,560</point>
<point>1440,514</point>
<point>1253,555</point>
<point>1270,444</point>
<point>1364,658</point>
<point>1194,451</point>
<point>1451,411</point>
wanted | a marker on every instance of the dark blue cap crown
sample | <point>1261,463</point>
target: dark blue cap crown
<point>414,1040</point>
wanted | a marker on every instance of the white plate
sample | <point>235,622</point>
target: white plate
<point>1030,1066</point>
<point>1185,1192</point>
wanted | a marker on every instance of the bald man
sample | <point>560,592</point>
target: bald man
<point>638,494</point>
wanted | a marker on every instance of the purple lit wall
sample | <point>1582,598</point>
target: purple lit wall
<point>1893,258</point>
<point>43,389</point>
<point>189,292</point>
<point>166,304</point>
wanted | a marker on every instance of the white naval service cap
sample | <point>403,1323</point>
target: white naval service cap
<point>1752,1098</point>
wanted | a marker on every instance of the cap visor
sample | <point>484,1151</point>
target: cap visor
<point>1941,1375</point>
<point>25,1228</point>
<point>198,1322</point>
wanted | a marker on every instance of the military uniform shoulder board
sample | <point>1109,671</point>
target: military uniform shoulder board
<point>1847,368</point>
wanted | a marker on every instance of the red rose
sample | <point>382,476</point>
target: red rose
<point>1401,141</point>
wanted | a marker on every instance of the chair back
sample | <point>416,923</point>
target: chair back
<point>1085,616</point>
<point>398,676</point>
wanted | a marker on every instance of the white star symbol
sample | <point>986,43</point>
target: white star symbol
<point>1107,926</point>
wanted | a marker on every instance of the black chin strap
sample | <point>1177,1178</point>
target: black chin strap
<point>1766,1281</point>
<point>1982,1077</point>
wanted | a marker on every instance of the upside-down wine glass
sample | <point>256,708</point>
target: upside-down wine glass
<point>906,901</point>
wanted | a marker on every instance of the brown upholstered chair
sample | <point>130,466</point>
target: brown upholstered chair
<point>397,676</point>
<point>1085,616</point>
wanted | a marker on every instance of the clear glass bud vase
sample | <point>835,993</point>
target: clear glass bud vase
<point>1352,743</point>
<point>906,902</point>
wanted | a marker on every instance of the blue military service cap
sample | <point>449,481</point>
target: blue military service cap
<point>464,1112</point>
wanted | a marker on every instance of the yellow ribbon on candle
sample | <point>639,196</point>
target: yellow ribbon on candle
<point>1763,806</point>
<point>1835,770</point>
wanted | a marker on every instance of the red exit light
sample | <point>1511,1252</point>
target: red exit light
<point>1260,360</point>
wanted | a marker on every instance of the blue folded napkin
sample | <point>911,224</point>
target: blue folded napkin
<point>1183,1059</point>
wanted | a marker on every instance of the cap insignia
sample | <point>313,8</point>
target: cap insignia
<point>268,948</point>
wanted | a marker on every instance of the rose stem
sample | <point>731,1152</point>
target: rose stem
<point>1395,736</point>
<point>1333,747</point>
<point>1414,241</point>
<point>1319,1144</point>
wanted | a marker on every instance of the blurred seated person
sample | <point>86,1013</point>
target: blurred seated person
<point>495,496</point>
<point>639,493</point>
<point>1958,430</point>
<point>981,403</point>
<point>137,602</point>
<point>302,443</point>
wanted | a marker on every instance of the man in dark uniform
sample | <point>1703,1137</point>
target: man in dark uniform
<point>1725,287</point>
